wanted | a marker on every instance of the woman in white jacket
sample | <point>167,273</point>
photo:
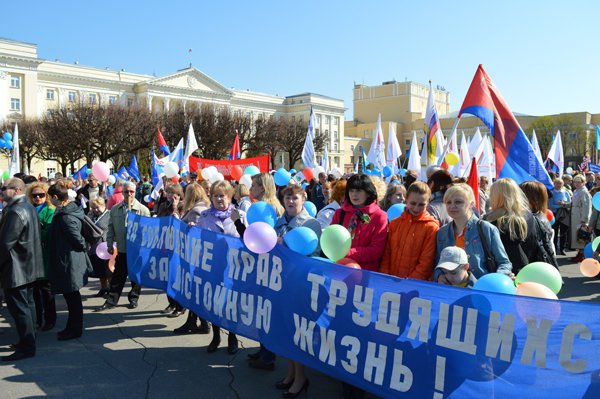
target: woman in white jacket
<point>581,211</point>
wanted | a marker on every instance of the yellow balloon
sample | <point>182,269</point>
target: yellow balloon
<point>452,158</point>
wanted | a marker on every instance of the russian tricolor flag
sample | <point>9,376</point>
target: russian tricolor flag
<point>515,157</point>
<point>162,144</point>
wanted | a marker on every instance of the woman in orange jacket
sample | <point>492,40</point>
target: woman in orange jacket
<point>410,247</point>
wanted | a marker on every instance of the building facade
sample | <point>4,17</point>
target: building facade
<point>31,86</point>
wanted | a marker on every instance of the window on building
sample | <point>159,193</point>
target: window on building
<point>50,112</point>
<point>317,132</point>
<point>352,148</point>
<point>327,119</point>
<point>50,94</point>
<point>326,133</point>
<point>72,96</point>
<point>112,100</point>
<point>407,142</point>
<point>573,136</point>
<point>129,102</point>
<point>352,160</point>
<point>336,147</point>
<point>336,161</point>
<point>15,81</point>
<point>92,98</point>
<point>318,119</point>
<point>336,121</point>
<point>50,172</point>
<point>336,136</point>
<point>15,104</point>
<point>366,132</point>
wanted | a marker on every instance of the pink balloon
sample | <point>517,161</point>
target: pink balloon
<point>589,267</point>
<point>535,290</point>
<point>102,251</point>
<point>101,171</point>
<point>260,237</point>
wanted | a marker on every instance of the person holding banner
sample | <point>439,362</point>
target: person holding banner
<point>481,240</point>
<point>295,382</point>
<point>217,218</point>
<point>365,220</point>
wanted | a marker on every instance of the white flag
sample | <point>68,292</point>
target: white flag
<point>536,147</point>
<point>414,158</point>
<point>376,154</point>
<point>465,158</point>
<point>475,142</point>
<point>325,161</point>
<point>556,154</point>
<point>15,161</point>
<point>393,150</point>
<point>308,152</point>
<point>452,146</point>
<point>190,147</point>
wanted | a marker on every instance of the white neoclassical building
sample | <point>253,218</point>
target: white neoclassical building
<point>30,86</point>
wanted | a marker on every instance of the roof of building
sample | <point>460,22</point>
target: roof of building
<point>313,94</point>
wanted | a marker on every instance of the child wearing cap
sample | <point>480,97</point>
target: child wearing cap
<point>454,265</point>
<point>410,248</point>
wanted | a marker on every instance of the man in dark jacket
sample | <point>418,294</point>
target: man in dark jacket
<point>90,191</point>
<point>20,264</point>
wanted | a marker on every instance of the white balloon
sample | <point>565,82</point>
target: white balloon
<point>220,177</point>
<point>206,173</point>
<point>246,180</point>
<point>569,170</point>
<point>111,180</point>
<point>171,169</point>
<point>213,169</point>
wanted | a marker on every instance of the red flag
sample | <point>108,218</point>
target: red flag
<point>235,150</point>
<point>162,144</point>
<point>473,181</point>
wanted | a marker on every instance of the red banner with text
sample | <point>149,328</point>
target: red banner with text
<point>224,167</point>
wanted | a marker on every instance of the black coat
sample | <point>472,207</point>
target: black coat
<point>69,263</point>
<point>21,260</point>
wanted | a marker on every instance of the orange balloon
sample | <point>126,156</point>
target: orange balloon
<point>237,172</point>
<point>535,290</point>
<point>348,262</point>
<point>589,267</point>
<point>175,179</point>
<point>308,174</point>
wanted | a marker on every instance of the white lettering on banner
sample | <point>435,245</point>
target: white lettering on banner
<point>566,347</point>
<point>536,342</point>
<point>327,351</point>
<point>219,300</point>
<point>389,313</point>
<point>207,256</point>
<point>500,337</point>
<point>419,315</point>
<point>231,305</point>
<point>268,268</point>
<point>316,281</point>
<point>440,376</point>
<point>247,311</point>
<point>454,342</point>
<point>303,334</point>
<point>350,364</point>
<point>197,283</point>
<point>263,314</point>
<point>338,292</point>
<point>402,376</point>
<point>375,362</point>
<point>163,269</point>
<point>363,304</point>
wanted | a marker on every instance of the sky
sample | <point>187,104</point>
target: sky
<point>544,56</point>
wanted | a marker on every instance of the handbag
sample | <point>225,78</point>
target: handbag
<point>583,235</point>
<point>489,259</point>
<point>562,216</point>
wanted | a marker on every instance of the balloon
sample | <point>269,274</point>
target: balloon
<point>175,179</point>
<point>5,175</point>
<point>496,282</point>
<point>549,215</point>
<point>220,176</point>
<point>368,172</point>
<point>348,262</point>
<point>588,251</point>
<point>570,170</point>
<point>282,177</point>
<point>102,251</point>
<point>308,174</point>
<point>335,242</point>
<point>171,169</point>
<point>246,180</point>
<point>596,201</point>
<point>304,185</point>
<point>7,136</point>
<point>403,172</point>
<point>9,144</point>
<point>589,267</point>
<point>552,221</point>
<point>261,212</point>
<point>206,174</point>
<point>535,290</point>
<point>541,273</point>
<point>452,158</point>
<point>260,237</point>
<point>88,171</point>
<point>376,172</point>
<point>395,211</point>
<point>595,243</point>
<point>387,171</point>
<point>292,171</point>
<point>2,143</point>
<point>111,180</point>
<point>101,171</point>
<point>147,199</point>
<point>302,240</point>
<point>236,172</point>
<point>251,170</point>
<point>310,208</point>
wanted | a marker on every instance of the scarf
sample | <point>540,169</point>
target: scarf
<point>40,208</point>
<point>221,215</point>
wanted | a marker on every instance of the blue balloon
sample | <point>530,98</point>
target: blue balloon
<point>376,172</point>
<point>282,177</point>
<point>302,240</point>
<point>2,143</point>
<point>596,201</point>
<point>552,221</point>
<point>395,182</point>
<point>395,211</point>
<point>310,208</point>
<point>368,172</point>
<point>7,136</point>
<point>251,170</point>
<point>9,144</point>
<point>304,185</point>
<point>89,171</point>
<point>292,171</point>
<point>387,171</point>
<point>402,172</point>
<point>262,212</point>
<point>588,250</point>
<point>496,282</point>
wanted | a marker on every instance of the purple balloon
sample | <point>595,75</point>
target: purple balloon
<point>260,237</point>
<point>102,251</point>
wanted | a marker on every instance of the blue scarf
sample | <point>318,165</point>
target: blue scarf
<point>221,215</point>
<point>40,208</point>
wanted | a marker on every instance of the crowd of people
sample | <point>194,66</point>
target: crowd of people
<point>50,228</point>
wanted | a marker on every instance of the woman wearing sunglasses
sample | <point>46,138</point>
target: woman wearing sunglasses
<point>45,305</point>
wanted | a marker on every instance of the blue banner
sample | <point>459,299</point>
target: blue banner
<point>393,337</point>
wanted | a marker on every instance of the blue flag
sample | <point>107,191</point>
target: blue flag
<point>597,137</point>
<point>81,173</point>
<point>122,173</point>
<point>133,169</point>
<point>157,169</point>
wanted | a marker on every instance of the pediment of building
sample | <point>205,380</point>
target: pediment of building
<point>189,79</point>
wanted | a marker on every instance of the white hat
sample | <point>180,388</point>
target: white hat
<point>452,257</point>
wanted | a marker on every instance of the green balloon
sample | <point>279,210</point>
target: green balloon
<point>5,175</point>
<point>541,273</point>
<point>335,242</point>
<point>595,243</point>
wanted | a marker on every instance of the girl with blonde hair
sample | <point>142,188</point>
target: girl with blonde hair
<point>263,189</point>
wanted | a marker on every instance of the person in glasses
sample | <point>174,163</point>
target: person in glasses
<point>21,264</point>
<point>117,230</point>
<point>45,304</point>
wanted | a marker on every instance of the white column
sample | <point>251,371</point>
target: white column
<point>166,104</point>
<point>61,97</point>
<point>4,82</point>
<point>149,102</point>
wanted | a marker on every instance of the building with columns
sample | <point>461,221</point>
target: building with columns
<point>31,86</point>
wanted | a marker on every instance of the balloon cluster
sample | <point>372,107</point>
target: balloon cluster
<point>211,174</point>
<point>6,141</point>
<point>590,267</point>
